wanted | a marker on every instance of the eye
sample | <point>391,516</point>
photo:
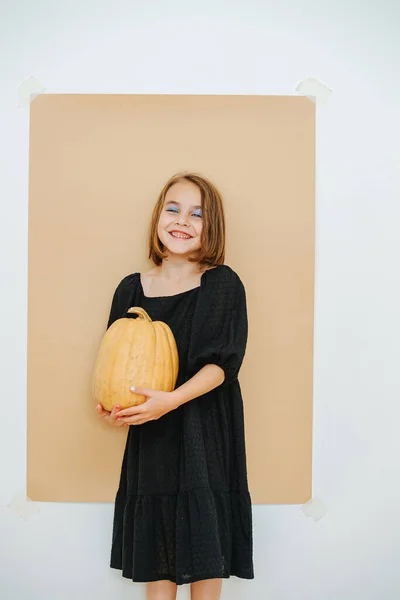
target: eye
<point>172,209</point>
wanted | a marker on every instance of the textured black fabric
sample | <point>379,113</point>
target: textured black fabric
<point>183,508</point>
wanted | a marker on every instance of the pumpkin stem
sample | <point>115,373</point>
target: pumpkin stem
<point>142,314</point>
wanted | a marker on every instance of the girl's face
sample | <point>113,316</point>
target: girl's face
<point>180,224</point>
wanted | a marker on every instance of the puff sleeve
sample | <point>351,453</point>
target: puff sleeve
<point>120,299</point>
<point>220,325</point>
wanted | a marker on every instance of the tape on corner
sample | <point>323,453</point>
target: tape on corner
<point>28,90</point>
<point>314,89</point>
<point>23,506</point>
<point>315,509</point>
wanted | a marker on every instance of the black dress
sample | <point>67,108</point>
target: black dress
<point>183,508</point>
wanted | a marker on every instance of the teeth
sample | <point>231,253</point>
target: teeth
<point>182,236</point>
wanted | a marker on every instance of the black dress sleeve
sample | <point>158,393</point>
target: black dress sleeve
<point>220,325</point>
<point>121,297</point>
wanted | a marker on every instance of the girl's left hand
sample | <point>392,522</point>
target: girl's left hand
<point>157,405</point>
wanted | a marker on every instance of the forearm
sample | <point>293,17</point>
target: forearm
<point>208,378</point>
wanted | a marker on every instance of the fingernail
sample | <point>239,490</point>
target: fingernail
<point>132,388</point>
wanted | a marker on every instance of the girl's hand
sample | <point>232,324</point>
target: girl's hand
<point>157,405</point>
<point>108,416</point>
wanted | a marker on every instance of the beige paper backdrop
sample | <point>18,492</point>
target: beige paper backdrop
<point>97,164</point>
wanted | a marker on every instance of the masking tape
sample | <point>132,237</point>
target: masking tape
<point>315,509</point>
<point>23,506</point>
<point>314,89</point>
<point>28,90</point>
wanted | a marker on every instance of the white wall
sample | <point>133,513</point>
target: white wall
<point>227,47</point>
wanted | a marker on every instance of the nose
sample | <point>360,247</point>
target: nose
<point>181,220</point>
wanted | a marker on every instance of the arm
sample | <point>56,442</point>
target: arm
<point>219,340</point>
<point>208,378</point>
<point>160,403</point>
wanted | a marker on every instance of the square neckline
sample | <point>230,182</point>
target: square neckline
<point>179,293</point>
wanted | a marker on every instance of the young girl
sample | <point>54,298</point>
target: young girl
<point>183,508</point>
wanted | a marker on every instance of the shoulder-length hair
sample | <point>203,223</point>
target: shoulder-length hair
<point>212,251</point>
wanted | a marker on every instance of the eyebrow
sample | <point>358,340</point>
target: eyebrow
<point>178,203</point>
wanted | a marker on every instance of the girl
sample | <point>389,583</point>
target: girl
<point>183,509</point>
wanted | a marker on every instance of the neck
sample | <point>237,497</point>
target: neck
<point>178,268</point>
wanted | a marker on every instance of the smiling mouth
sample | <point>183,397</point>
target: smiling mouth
<point>180,236</point>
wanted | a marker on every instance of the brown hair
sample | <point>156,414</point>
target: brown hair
<point>212,251</point>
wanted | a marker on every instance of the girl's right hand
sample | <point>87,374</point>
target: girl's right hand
<point>108,416</point>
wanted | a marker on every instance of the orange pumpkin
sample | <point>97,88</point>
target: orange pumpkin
<point>134,352</point>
